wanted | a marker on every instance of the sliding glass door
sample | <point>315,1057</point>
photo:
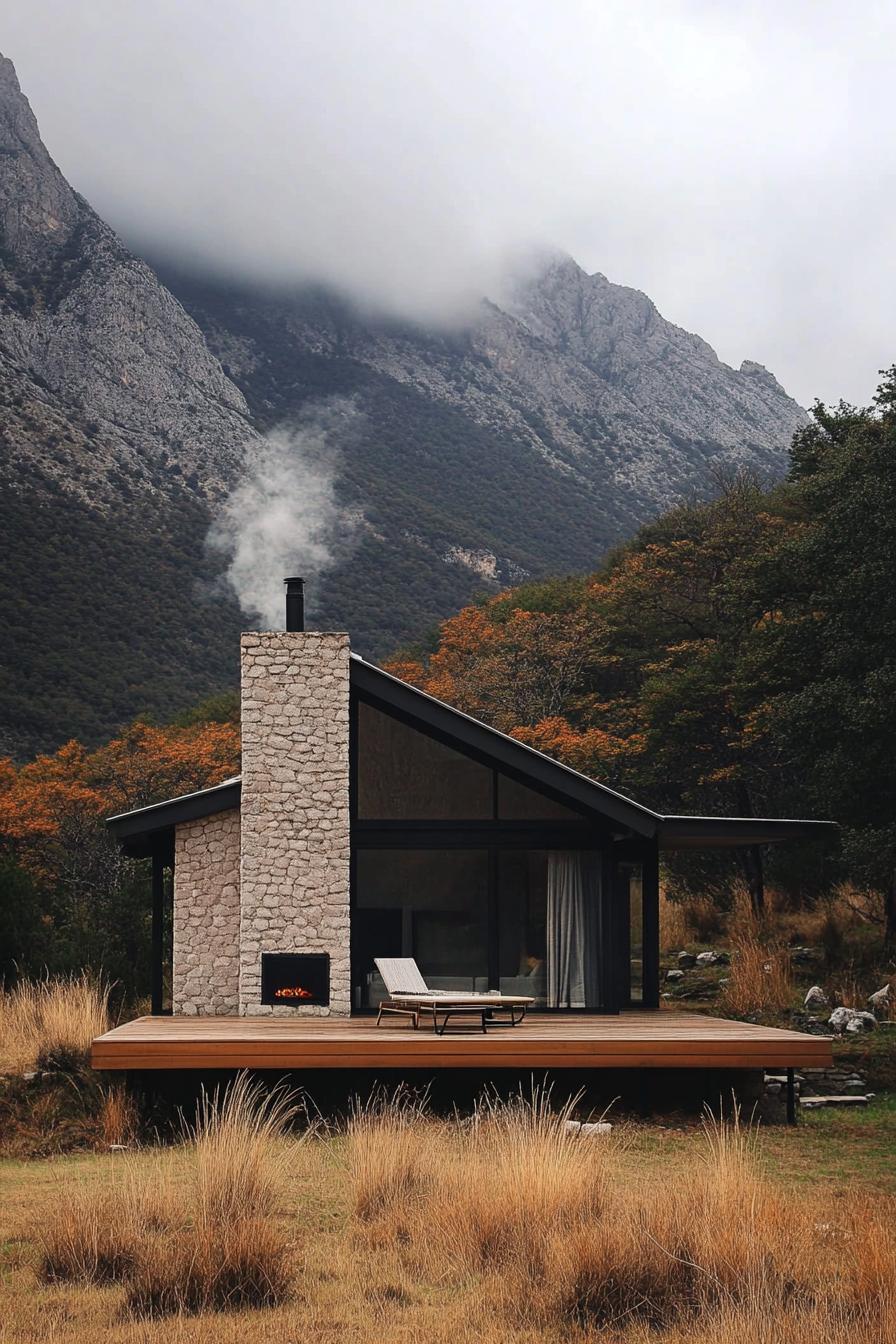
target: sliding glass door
<point>523,921</point>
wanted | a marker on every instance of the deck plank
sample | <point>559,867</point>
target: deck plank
<point>664,1039</point>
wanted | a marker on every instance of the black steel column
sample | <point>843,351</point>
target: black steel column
<point>791,1098</point>
<point>650,887</point>
<point>158,923</point>
<point>493,918</point>
<point>608,935</point>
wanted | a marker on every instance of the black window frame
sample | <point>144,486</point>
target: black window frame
<point>593,832</point>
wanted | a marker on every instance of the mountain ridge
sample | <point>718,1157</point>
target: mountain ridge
<point>134,399</point>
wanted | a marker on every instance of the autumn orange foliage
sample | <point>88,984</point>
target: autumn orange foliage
<point>525,672</point>
<point>76,787</point>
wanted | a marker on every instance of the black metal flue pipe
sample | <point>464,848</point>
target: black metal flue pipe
<point>295,604</point>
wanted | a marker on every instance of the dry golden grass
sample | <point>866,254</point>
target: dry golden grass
<point>214,1245</point>
<point>119,1116</point>
<point>675,932</point>
<point>238,1173</point>
<point>523,1181</point>
<point>97,1231</point>
<point>52,1021</point>
<point>389,1146</point>
<point>508,1229</point>
<point>760,979</point>
<point>212,1267</point>
<point>554,1228</point>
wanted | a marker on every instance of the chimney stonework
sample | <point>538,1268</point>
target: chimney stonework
<point>294,813</point>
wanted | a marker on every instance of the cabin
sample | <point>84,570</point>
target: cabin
<point>371,820</point>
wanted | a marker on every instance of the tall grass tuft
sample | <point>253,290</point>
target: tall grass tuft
<point>524,1180</point>
<point>50,1023</point>
<point>238,1171</point>
<point>213,1241</point>
<point>675,932</point>
<point>221,1267</point>
<point>390,1144</point>
<point>99,1231</point>
<point>760,980</point>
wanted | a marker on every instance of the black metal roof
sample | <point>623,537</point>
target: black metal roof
<point>136,830</point>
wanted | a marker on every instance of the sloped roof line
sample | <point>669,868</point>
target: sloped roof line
<point>562,775</point>
<point>504,752</point>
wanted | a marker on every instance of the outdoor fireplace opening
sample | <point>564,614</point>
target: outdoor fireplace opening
<point>295,979</point>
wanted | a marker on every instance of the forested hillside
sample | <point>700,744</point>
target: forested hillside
<point>737,656</point>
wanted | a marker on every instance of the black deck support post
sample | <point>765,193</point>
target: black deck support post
<point>158,913</point>
<point>791,1098</point>
<point>650,890</point>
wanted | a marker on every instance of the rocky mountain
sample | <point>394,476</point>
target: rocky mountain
<point>566,412</point>
<point>118,432</point>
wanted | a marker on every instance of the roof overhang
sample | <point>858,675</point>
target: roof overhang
<point>139,832</point>
<point>733,832</point>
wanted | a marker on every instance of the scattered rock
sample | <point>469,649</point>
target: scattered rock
<point>880,1000</point>
<point>816,998</point>
<point>686,960</point>
<point>839,1018</point>
<point>803,954</point>
<point>861,1022</point>
<point>812,1103</point>
<point>587,1129</point>
<point>675,975</point>
<point>707,958</point>
<point>30,1076</point>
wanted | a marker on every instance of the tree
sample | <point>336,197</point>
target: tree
<point>828,660</point>
<point>93,902</point>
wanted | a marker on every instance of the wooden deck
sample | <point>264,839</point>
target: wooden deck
<point>633,1040</point>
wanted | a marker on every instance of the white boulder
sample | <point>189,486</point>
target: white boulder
<point>850,1019</point>
<point>815,998</point>
<point>587,1129</point>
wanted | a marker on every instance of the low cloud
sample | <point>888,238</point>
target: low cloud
<point>731,160</point>
<point>283,517</point>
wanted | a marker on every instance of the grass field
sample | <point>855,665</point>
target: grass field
<point>395,1232</point>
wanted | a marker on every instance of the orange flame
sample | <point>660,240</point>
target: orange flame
<point>293,992</point>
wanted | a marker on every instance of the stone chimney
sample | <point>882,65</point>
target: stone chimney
<point>294,817</point>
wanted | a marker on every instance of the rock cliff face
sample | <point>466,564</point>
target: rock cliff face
<point>118,431</point>
<point>567,412</point>
<point>90,341</point>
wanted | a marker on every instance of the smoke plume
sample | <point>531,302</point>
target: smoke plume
<point>283,517</point>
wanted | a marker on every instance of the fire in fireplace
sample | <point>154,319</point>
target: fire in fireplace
<point>295,978</point>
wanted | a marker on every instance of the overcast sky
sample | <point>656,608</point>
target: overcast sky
<point>733,159</point>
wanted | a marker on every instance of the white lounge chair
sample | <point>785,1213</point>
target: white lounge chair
<point>409,996</point>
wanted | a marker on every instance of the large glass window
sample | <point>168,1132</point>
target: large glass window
<point>517,802</point>
<point>431,905</point>
<point>532,917</point>
<point>549,927</point>
<point>406,775</point>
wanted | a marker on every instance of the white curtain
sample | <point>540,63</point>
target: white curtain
<point>573,930</point>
